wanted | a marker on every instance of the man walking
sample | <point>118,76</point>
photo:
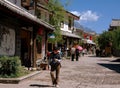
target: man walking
<point>55,66</point>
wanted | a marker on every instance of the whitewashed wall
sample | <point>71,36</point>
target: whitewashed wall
<point>66,28</point>
<point>7,41</point>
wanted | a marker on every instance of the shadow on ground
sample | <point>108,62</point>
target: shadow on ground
<point>97,56</point>
<point>117,60</point>
<point>114,67</point>
<point>92,56</point>
<point>39,85</point>
<point>104,60</point>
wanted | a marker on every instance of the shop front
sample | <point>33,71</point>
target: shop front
<point>18,34</point>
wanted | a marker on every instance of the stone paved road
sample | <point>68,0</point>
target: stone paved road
<point>88,72</point>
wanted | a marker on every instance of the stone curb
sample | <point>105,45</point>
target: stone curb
<point>17,80</point>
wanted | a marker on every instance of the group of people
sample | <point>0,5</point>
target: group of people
<point>74,53</point>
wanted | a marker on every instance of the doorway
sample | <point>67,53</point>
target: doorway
<point>25,48</point>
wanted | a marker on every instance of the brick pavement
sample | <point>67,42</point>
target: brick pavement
<point>88,72</point>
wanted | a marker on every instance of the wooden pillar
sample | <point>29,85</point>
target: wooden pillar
<point>35,53</point>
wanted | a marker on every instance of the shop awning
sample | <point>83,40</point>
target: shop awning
<point>88,41</point>
<point>68,34</point>
<point>24,13</point>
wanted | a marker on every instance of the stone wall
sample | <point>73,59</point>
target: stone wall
<point>7,41</point>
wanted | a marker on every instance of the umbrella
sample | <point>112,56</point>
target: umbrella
<point>80,48</point>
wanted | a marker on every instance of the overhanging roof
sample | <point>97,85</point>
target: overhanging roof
<point>73,15</point>
<point>68,34</point>
<point>24,13</point>
<point>68,13</point>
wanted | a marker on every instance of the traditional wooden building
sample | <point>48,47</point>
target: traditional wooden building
<point>67,26</point>
<point>69,31</point>
<point>114,24</point>
<point>21,33</point>
<point>24,31</point>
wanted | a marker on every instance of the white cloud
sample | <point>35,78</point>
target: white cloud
<point>87,15</point>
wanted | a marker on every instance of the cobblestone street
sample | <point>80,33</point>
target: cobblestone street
<point>88,72</point>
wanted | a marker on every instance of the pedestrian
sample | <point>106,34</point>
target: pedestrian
<point>48,58</point>
<point>55,66</point>
<point>84,51</point>
<point>97,52</point>
<point>77,54</point>
<point>73,53</point>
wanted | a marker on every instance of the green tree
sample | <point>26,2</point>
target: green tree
<point>57,16</point>
<point>104,39</point>
<point>116,38</point>
<point>110,39</point>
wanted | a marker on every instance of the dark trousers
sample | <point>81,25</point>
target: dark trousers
<point>73,56</point>
<point>55,75</point>
<point>77,56</point>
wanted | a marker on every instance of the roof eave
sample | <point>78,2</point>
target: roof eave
<point>24,13</point>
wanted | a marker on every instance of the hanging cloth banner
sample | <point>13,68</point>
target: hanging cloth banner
<point>40,31</point>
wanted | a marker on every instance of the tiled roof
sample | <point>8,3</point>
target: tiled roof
<point>115,22</point>
<point>24,13</point>
<point>68,13</point>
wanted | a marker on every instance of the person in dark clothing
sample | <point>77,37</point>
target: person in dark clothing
<point>55,66</point>
<point>97,52</point>
<point>77,54</point>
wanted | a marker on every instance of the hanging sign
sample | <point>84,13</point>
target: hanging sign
<point>51,35</point>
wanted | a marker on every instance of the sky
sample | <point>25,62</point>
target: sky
<point>95,14</point>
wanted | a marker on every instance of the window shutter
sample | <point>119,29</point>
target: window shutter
<point>28,4</point>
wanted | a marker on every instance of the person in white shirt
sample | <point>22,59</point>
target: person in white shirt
<point>73,53</point>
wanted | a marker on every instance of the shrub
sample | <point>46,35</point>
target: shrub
<point>10,67</point>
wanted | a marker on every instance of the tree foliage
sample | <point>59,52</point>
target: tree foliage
<point>116,38</point>
<point>104,39</point>
<point>57,16</point>
<point>110,37</point>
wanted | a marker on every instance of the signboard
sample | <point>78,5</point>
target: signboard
<point>51,35</point>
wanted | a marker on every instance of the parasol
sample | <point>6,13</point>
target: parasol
<point>80,48</point>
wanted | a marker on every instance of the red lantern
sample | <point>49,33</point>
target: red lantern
<point>90,37</point>
<point>40,31</point>
<point>85,36</point>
